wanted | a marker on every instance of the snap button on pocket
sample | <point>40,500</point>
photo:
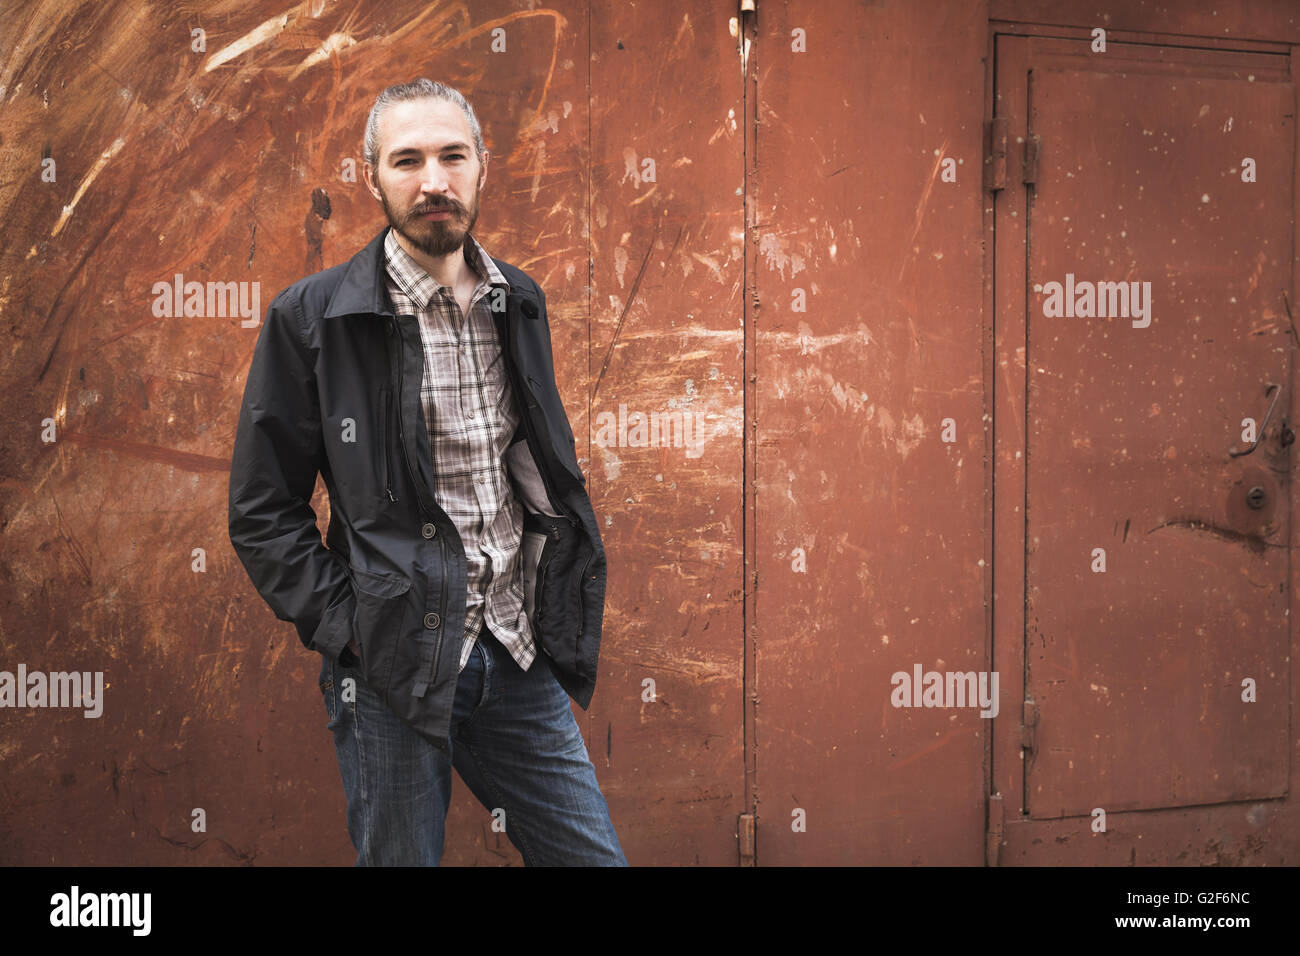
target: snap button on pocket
<point>432,620</point>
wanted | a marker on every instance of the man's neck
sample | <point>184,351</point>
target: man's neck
<point>451,270</point>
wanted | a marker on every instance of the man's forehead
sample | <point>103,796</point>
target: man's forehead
<point>424,124</point>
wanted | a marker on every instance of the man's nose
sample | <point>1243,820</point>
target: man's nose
<point>435,181</point>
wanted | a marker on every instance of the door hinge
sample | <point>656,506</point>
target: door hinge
<point>1028,727</point>
<point>993,835</point>
<point>995,154</point>
<point>745,835</point>
<point>1032,146</point>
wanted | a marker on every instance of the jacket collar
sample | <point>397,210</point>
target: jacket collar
<point>363,289</point>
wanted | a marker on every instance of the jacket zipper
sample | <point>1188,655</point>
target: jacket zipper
<point>415,482</point>
<point>419,491</point>
<point>543,565</point>
<point>582,615</point>
<point>386,451</point>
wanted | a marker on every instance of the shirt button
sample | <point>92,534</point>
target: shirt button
<point>429,530</point>
<point>469,414</point>
<point>431,620</point>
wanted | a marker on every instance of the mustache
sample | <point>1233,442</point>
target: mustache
<point>421,210</point>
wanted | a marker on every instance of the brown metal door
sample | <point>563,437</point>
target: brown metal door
<point>1155,563</point>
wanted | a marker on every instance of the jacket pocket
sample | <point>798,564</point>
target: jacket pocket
<point>377,622</point>
<point>556,616</point>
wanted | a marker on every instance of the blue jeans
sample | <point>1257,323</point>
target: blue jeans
<point>515,744</point>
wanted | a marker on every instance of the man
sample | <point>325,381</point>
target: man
<point>458,605</point>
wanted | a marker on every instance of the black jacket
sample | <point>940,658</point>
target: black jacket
<point>334,388</point>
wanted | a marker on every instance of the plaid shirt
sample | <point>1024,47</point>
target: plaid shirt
<point>470,411</point>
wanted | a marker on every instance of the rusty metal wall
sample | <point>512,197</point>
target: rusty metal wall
<point>667,257</point>
<point>869,527</point>
<point>229,163</point>
<point>766,299</point>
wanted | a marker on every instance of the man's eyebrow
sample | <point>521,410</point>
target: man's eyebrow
<point>460,147</point>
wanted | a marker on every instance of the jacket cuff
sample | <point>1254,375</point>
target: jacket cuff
<point>335,630</point>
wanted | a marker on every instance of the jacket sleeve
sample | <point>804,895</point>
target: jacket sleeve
<point>277,454</point>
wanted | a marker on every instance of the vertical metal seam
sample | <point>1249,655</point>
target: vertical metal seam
<point>1024,514</point>
<point>591,279</point>
<point>988,366</point>
<point>591,264</point>
<point>749,105</point>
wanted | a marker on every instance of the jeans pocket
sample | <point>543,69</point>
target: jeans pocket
<point>377,623</point>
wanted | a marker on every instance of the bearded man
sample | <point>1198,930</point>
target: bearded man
<point>458,604</point>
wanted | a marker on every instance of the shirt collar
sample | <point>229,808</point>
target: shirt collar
<point>412,279</point>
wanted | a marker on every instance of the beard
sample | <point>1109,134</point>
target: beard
<point>433,237</point>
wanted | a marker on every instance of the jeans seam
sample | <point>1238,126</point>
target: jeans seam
<point>525,849</point>
<point>363,795</point>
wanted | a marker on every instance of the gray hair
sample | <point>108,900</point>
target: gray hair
<point>420,89</point>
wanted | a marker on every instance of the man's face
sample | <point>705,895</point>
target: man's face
<point>429,176</point>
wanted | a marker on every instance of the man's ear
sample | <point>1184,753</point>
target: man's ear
<point>482,176</point>
<point>368,174</point>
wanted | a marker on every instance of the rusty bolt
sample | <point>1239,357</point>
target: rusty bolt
<point>1255,497</point>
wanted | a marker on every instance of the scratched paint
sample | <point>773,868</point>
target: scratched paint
<point>227,164</point>
<point>623,189</point>
<point>666,331</point>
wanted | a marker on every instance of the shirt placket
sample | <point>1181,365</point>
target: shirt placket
<point>487,496</point>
